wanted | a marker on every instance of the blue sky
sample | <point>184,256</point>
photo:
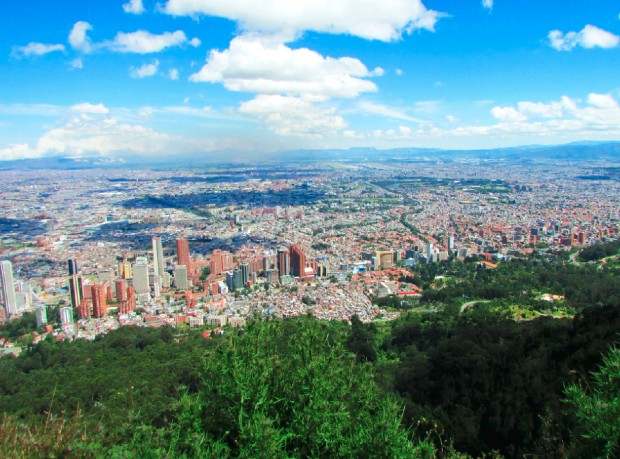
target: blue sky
<point>195,76</point>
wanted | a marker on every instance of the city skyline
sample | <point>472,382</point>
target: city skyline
<point>194,77</point>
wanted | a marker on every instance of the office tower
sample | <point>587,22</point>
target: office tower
<point>75,290</point>
<point>228,261</point>
<point>283,262</point>
<point>73,268</point>
<point>158,257</point>
<point>237,279</point>
<point>215,262</point>
<point>180,277</point>
<point>66,315</point>
<point>141,275</point>
<point>451,242</point>
<point>8,289</point>
<point>230,280</point>
<point>100,306</point>
<point>298,261</point>
<point>183,253</point>
<point>121,291</point>
<point>429,253</point>
<point>245,272</point>
<point>41,315</point>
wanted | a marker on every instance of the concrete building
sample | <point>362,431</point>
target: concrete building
<point>8,288</point>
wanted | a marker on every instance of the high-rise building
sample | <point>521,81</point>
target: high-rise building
<point>84,309</point>
<point>100,306</point>
<point>8,288</point>
<point>75,290</point>
<point>121,291</point>
<point>215,262</point>
<point>284,260</point>
<point>41,315</point>
<point>66,315</point>
<point>180,277</point>
<point>141,275</point>
<point>298,261</point>
<point>245,272</point>
<point>158,257</point>
<point>72,265</point>
<point>131,298</point>
<point>183,253</point>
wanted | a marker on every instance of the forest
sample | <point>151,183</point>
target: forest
<point>437,382</point>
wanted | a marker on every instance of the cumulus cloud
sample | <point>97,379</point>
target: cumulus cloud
<point>266,66</point>
<point>369,19</point>
<point>293,116</point>
<point>507,114</point>
<point>91,109</point>
<point>488,4</point>
<point>77,64</point>
<point>78,37</point>
<point>133,7</point>
<point>144,71</point>
<point>173,74</point>
<point>91,131</point>
<point>589,37</point>
<point>36,49</point>
<point>144,42</point>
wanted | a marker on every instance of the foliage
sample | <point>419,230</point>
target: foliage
<point>599,251</point>
<point>597,408</point>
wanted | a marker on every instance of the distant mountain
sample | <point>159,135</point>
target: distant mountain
<point>578,151</point>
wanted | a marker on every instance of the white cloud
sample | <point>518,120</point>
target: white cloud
<point>382,110</point>
<point>507,114</point>
<point>488,4</point>
<point>293,116</point>
<point>370,19</point>
<point>77,64</point>
<point>78,37</point>
<point>589,37</point>
<point>195,42</point>
<point>144,42</point>
<point>36,49</point>
<point>265,65</point>
<point>144,71</point>
<point>92,131</point>
<point>134,7</point>
<point>173,74</point>
<point>91,109</point>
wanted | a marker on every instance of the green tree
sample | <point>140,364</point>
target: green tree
<point>597,408</point>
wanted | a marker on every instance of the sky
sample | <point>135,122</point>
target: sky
<point>191,77</point>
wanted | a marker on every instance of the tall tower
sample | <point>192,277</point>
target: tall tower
<point>100,306</point>
<point>8,289</point>
<point>141,276</point>
<point>298,261</point>
<point>158,256</point>
<point>284,261</point>
<point>183,253</point>
<point>72,265</point>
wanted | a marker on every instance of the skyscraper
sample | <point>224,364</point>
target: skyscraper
<point>8,289</point>
<point>284,262</point>
<point>158,256</point>
<point>141,276</point>
<point>72,265</point>
<point>100,306</point>
<point>183,253</point>
<point>298,261</point>
<point>180,277</point>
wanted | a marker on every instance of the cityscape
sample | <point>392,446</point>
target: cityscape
<point>108,248</point>
<point>375,229</point>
